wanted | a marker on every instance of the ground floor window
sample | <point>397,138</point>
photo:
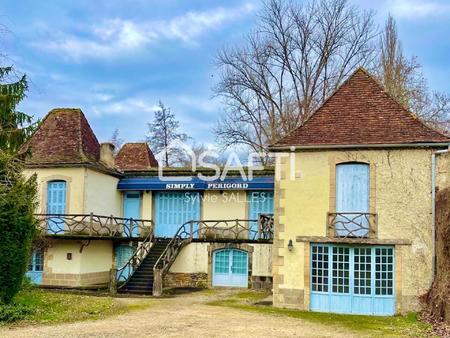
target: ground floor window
<point>350,279</point>
<point>36,266</point>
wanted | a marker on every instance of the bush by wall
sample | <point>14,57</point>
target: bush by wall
<point>17,224</point>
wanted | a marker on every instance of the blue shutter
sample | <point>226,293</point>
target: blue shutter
<point>352,196</point>
<point>173,209</point>
<point>56,204</point>
<point>352,187</point>
<point>131,209</point>
<point>260,202</point>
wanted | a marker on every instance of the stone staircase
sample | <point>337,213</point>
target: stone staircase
<point>141,282</point>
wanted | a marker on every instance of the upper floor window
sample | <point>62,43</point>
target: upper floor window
<point>352,200</point>
<point>352,188</point>
<point>56,197</point>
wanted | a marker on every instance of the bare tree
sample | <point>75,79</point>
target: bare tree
<point>295,58</point>
<point>163,133</point>
<point>404,80</point>
<point>116,140</point>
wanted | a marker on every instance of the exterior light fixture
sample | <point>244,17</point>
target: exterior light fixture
<point>290,245</point>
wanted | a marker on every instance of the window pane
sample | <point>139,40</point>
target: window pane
<point>319,268</point>
<point>384,271</point>
<point>362,268</point>
<point>341,270</point>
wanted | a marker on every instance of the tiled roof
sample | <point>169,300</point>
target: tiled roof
<point>360,113</point>
<point>135,156</point>
<point>64,137</point>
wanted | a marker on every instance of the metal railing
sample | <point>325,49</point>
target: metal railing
<point>209,230</point>
<point>352,224</point>
<point>91,225</point>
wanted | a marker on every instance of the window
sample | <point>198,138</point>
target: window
<point>352,200</point>
<point>36,262</point>
<point>56,197</point>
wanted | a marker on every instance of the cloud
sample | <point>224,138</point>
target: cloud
<point>115,37</point>
<point>418,8</point>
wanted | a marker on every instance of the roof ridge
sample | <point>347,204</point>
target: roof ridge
<point>361,96</point>
<point>360,68</point>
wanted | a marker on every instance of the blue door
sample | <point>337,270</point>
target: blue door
<point>131,209</point>
<point>352,197</point>
<point>230,268</point>
<point>260,202</point>
<point>56,204</point>
<point>123,254</point>
<point>358,280</point>
<point>173,209</point>
<point>36,266</point>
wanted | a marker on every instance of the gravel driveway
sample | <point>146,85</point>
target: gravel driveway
<point>183,316</point>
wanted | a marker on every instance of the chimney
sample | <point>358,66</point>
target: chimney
<point>107,154</point>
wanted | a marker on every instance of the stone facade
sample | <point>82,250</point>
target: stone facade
<point>262,283</point>
<point>75,280</point>
<point>186,280</point>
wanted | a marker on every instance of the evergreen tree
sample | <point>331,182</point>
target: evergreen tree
<point>163,132</point>
<point>17,194</point>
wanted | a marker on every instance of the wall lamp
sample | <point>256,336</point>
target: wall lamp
<point>290,245</point>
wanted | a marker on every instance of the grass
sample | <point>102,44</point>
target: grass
<point>374,326</point>
<point>48,307</point>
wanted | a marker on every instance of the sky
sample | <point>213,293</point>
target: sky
<point>116,59</point>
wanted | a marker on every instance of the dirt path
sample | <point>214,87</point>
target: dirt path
<point>183,316</point>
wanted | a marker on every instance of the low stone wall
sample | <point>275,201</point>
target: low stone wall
<point>262,283</point>
<point>185,280</point>
<point>75,280</point>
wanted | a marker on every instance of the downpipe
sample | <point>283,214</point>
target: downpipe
<point>433,208</point>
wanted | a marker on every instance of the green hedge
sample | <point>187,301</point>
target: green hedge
<point>17,224</point>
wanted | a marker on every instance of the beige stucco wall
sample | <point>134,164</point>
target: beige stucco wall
<point>400,195</point>
<point>86,268</point>
<point>224,205</point>
<point>194,259</point>
<point>101,194</point>
<point>75,178</point>
<point>147,205</point>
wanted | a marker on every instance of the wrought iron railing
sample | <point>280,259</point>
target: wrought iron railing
<point>209,230</point>
<point>352,224</point>
<point>90,225</point>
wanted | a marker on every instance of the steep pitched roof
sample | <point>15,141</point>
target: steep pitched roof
<point>361,113</point>
<point>64,137</point>
<point>135,156</point>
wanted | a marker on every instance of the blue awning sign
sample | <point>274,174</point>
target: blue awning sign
<point>195,183</point>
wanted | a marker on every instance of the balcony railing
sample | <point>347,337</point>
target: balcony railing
<point>352,224</point>
<point>90,225</point>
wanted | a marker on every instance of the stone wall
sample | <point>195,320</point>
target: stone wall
<point>184,280</point>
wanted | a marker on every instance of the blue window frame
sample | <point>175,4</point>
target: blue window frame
<point>347,279</point>
<point>36,266</point>
<point>56,204</point>
<point>352,196</point>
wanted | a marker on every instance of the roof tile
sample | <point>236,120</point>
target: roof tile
<point>360,112</point>
<point>135,156</point>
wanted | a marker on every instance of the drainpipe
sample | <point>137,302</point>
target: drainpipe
<point>433,206</point>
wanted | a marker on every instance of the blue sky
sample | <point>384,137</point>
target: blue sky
<point>116,59</point>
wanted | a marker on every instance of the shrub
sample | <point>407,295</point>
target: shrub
<point>13,312</point>
<point>17,224</point>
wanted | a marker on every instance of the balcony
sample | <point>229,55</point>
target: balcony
<point>93,226</point>
<point>352,225</point>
